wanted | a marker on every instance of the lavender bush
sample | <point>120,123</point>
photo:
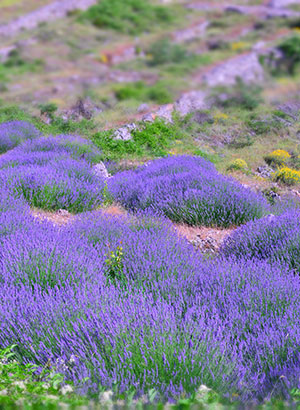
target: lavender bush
<point>273,238</point>
<point>187,189</point>
<point>178,322</point>
<point>54,173</point>
<point>13,133</point>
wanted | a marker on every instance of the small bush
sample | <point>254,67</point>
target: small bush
<point>277,157</point>
<point>237,165</point>
<point>291,49</point>
<point>287,175</point>
<point>139,91</point>
<point>151,139</point>
<point>164,52</point>
<point>127,16</point>
<point>241,95</point>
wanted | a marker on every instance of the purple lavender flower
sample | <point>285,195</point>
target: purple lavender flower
<point>13,133</point>
<point>187,189</point>
<point>273,238</point>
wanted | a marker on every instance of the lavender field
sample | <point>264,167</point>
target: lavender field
<point>149,204</point>
<point>122,303</point>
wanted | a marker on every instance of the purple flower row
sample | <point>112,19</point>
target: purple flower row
<point>179,322</point>
<point>13,133</point>
<point>54,173</point>
<point>187,189</point>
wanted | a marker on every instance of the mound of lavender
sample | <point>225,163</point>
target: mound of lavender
<point>187,189</point>
<point>13,133</point>
<point>54,173</point>
<point>273,238</point>
<point>126,303</point>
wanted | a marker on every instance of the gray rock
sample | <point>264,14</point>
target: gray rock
<point>247,67</point>
<point>202,117</point>
<point>143,108</point>
<point>265,171</point>
<point>292,109</point>
<point>83,108</point>
<point>190,33</point>
<point>100,170</point>
<point>150,117</point>
<point>282,13</point>
<point>165,112</point>
<point>124,133</point>
<point>282,3</point>
<point>53,11</point>
<point>5,53</point>
<point>191,102</point>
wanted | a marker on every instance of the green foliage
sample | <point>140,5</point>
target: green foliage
<point>20,383</point>
<point>152,139</point>
<point>114,266</point>
<point>127,16</point>
<point>164,52</point>
<point>263,125</point>
<point>48,109</point>
<point>57,126</point>
<point>291,49</point>
<point>139,91</point>
<point>241,95</point>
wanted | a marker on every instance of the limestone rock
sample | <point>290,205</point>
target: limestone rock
<point>124,133</point>
<point>100,170</point>
<point>246,66</point>
<point>190,102</point>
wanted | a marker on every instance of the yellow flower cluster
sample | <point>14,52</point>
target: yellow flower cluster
<point>220,116</point>
<point>279,157</point>
<point>287,175</point>
<point>237,164</point>
<point>239,45</point>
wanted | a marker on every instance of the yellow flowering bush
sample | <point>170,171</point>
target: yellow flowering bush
<point>239,45</point>
<point>287,175</point>
<point>237,165</point>
<point>220,117</point>
<point>277,157</point>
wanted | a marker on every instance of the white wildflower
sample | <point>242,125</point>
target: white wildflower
<point>66,389</point>
<point>20,384</point>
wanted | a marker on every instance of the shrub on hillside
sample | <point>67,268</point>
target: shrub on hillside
<point>287,175</point>
<point>291,50</point>
<point>151,139</point>
<point>164,52</point>
<point>127,16</point>
<point>187,189</point>
<point>140,91</point>
<point>277,157</point>
<point>241,96</point>
<point>237,165</point>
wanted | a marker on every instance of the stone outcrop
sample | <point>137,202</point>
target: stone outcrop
<point>55,10</point>
<point>246,66</point>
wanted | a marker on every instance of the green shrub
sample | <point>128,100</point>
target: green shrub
<point>48,109</point>
<point>164,52</point>
<point>291,50</point>
<point>127,16</point>
<point>139,91</point>
<point>152,139</point>
<point>241,95</point>
<point>237,165</point>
